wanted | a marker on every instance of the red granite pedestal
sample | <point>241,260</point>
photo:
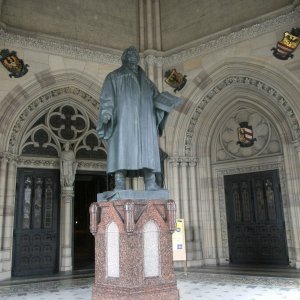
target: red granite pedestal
<point>129,272</point>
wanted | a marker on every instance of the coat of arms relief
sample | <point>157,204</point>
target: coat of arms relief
<point>245,134</point>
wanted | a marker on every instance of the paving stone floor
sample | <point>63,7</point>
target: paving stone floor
<point>208,284</point>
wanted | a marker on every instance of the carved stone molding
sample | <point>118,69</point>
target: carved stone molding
<point>232,38</point>
<point>10,157</point>
<point>91,165</point>
<point>58,47</point>
<point>38,162</point>
<point>53,163</point>
<point>220,173</point>
<point>183,161</point>
<point>278,99</point>
<point>34,105</point>
<point>296,144</point>
<point>92,53</point>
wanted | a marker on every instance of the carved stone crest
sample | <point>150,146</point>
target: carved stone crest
<point>13,64</point>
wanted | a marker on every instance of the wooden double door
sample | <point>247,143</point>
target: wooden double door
<point>36,222</point>
<point>256,227</point>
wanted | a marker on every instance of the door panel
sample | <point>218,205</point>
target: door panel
<point>256,229</point>
<point>36,222</point>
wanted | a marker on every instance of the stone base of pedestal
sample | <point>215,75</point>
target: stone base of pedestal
<point>133,250</point>
<point>163,292</point>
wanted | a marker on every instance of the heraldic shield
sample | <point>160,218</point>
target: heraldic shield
<point>175,79</point>
<point>287,45</point>
<point>245,135</point>
<point>13,64</point>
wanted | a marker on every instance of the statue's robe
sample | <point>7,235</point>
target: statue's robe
<point>132,132</point>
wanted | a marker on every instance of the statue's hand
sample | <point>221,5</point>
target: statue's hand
<point>106,118</point>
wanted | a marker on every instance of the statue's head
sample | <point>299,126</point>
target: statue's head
<point>131,56</point>
<point>67,146</point>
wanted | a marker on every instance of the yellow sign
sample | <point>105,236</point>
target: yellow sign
<point>178,241</point>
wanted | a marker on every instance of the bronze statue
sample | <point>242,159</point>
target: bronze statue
<point>130,120</point>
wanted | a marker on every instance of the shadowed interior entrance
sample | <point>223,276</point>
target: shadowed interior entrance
<point>87,185</point>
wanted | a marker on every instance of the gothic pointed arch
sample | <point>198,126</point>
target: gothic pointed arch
<point>256,81</point>
<point>65,111</point>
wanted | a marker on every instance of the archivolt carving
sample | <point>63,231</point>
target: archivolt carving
<point>63,122</point>
<point>33,106</point>
<point>267,140</point>
<point>278,99</point>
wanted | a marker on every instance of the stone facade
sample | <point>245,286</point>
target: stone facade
<point>230,77</point>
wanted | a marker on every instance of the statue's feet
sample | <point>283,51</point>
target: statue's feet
<point>152,187</point>
<point>119,181</point>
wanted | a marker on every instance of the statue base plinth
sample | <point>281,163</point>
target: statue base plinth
<point>133,250</point>
<point>135,195</point>
<point>102,292</point>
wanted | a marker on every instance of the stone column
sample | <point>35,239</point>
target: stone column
<point>149,16</point>
<point>157,25</point>
<point>149,25</point>
<point>3,178</point>
<point>142,25</point>
<point>8,218</point>
<point>174,180</point>
<point>184,200</point>
<point>206,213</point>
<point>66,228</point>
<point>297,147</point>
<point>293,182</point>
<point>195,223</point>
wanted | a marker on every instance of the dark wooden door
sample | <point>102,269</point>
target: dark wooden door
<point>256,229</point>
<point>36,222</point>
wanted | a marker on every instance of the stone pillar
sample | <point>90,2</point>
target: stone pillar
<point>157,25</point>
<point>3,179</point>
<point>297,147</point>
<point>206,213</point>
<point>142,25</point>
<point>149,16</point>
<point>66,229</point>
<point>293,182</point>
<point>184,199</point>
<point>174,180</point>
<point>195,223</point>
<point>8,217</point>
<point>149,25</point>
<point>133,250</point>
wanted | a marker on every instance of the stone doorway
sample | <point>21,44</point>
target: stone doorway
<point>256,227</point>
<point>87,185</point>
<point>36,223</point>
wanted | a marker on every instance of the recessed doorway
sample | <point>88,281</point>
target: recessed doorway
<point>255,220</point>
<point>87,185</point>
<point>36,231</point>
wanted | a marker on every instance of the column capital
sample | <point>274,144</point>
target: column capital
<point>296,144</point>
<point>67,193</point>
<point>183,161</point>
<point>10,157</point>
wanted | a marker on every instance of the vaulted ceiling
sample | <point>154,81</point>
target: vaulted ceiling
<point>118,23</point>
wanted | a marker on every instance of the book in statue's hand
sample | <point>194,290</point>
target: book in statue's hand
<point>166,101</point>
